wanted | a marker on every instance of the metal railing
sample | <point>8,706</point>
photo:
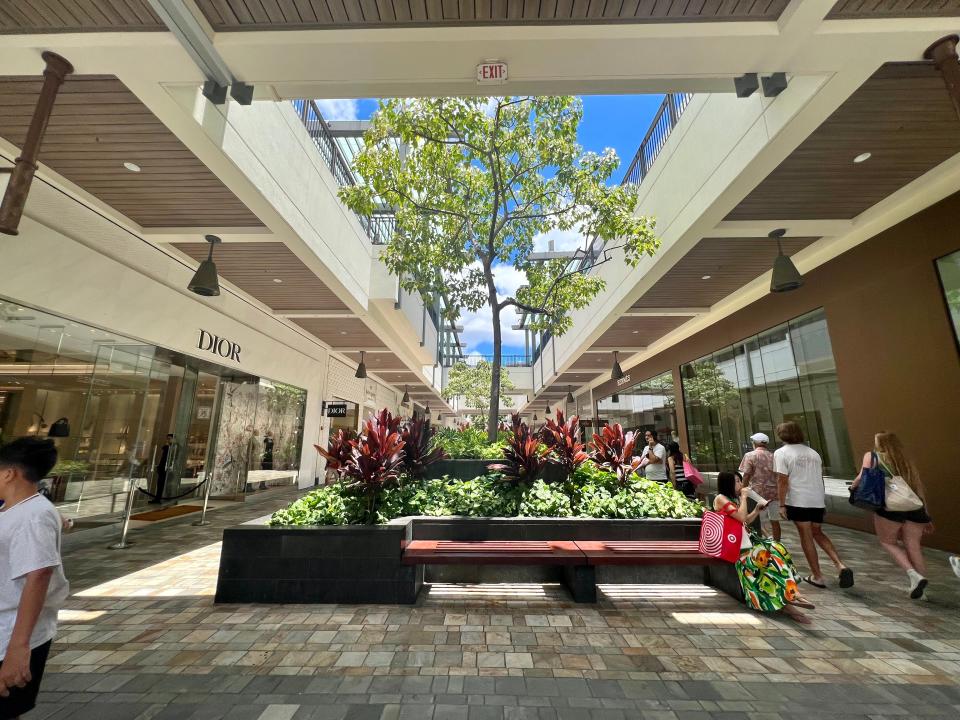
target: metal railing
<point>379,227</point>
<point>662,125</point>
<point>473,358</point>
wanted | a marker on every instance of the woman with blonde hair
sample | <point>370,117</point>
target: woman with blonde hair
<point>905,526</point>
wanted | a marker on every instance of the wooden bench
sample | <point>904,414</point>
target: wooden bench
<point>578,559</point>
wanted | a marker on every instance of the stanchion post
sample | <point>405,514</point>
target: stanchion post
<point>206,499</point>
<point>128,510</point>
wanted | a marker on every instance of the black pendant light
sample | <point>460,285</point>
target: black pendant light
<point>406,395</point>
<point>426,411</point>
<point>361,368</point>
<point>569,394</point>
<point>548,409</point>
<point>204,280</point>
<point>785,276</point>
<point>616,372</point>
<point>534,417</point>
<point>439,417</point>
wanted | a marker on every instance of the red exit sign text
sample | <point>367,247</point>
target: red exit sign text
<point>492,73</point>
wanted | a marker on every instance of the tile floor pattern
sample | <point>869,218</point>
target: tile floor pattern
<point>143,640</point>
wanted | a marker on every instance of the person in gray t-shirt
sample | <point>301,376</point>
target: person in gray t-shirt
<point>32,583</point>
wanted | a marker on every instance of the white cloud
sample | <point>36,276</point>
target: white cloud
<point>339,109</point>
<point>478,326</point>
<point>562,240</point>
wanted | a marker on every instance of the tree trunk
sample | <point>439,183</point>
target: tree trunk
<point>493,414</point>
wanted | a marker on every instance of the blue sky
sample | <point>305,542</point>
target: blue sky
<point>617,121</point>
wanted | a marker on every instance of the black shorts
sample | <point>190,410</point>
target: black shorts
<point>22,700</point>
<point>915,516</point>
<point>805,514</point>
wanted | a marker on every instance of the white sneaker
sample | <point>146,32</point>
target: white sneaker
<point>918,584</point>
<point>955,564</point>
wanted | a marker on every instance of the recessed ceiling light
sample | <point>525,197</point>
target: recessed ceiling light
<point>277,280</point>
<point>862,157</point>
<point>706,277</point>
<point>343,332</point>
<point>132,167</point>
<point>636,332</point>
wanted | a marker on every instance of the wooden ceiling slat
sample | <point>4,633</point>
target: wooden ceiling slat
<point>353,13</point>
<point>731,263</point>
<point>252,267</point>
<point>25,16</point>
<point>902,116</point>
<point>291,12</point>
<point>855,9</point>
<point>401,10</point>
<point>96,126</point>
<point>434,10</point>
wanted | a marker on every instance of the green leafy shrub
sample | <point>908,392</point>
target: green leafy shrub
<point>324,506</point>
<point>591,492</point>
<point>637,499</point>
<point>466,443</point>
<point>544,500</point>
<point>483,496</point>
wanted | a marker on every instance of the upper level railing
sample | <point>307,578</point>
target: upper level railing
<point>662,125</point>
<point>473,358</point>
<point>379,228</point>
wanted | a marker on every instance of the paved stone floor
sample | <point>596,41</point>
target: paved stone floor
<point>141,638</point>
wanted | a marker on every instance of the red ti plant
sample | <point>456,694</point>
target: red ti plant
<point>524,454</point>
<point>416,436</point>
<point>339,451</point>
<point>376,459</point>
<point>613,451</point>
<point>563,439</point>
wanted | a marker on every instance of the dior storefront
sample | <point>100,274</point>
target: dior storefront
<point>126,413</point>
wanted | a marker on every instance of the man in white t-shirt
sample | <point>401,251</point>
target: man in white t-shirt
<point>653,458</point>
<point>802,497</point>
<point>32,583</point>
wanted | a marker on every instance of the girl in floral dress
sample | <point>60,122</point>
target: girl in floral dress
<point>767,573</point>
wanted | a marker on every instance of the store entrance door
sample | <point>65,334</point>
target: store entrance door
<point>183,418</point>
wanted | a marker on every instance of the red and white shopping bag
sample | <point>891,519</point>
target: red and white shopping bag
<point>720,536</point>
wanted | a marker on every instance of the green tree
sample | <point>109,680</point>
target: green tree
<point>710,386</point>
<point>472,182</point>
<point>473,384</point>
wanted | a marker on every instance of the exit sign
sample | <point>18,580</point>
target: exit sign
<point>491,72</point>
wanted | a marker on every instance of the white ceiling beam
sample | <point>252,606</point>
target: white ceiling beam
<point>228,234</point>
<point>665,312</point>
<point>369,351</point>
<point>617,349</point>
<point>315,314</point>
<point>794,228</point>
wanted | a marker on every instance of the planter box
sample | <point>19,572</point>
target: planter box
<point>335,564</point>
<point>464,469</point>
<point>362,564</point>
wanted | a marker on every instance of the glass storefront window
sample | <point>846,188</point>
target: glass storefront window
<point>948,268</point>
<point>648,405</point>
<point>785,373</point>
<point>123,412</point>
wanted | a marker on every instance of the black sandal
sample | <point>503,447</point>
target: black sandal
<point>809,579</point>
<point>846,578</point>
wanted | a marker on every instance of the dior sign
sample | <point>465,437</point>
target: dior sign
<point>623,381</point>
<point>219,346</point>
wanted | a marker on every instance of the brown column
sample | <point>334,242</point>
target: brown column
<point>15,197</point>
<point>944,55</point>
